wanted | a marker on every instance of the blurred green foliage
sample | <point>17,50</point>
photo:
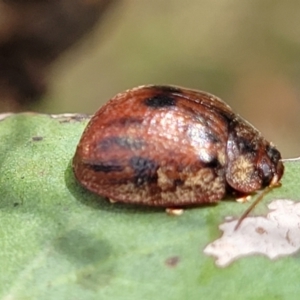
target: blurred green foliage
<point>246,52</point>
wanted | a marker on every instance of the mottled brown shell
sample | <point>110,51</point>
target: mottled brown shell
<point>169,146</point>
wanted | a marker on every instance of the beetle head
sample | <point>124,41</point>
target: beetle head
<point>269,165</point>
<point>252,162</point>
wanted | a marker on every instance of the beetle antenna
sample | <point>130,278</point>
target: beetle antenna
<point>257,200</point>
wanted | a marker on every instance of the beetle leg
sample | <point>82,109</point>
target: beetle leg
<point>174,211</point>
<point>244,199</point>
<point>112,201</point>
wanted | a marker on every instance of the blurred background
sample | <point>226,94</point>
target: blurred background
<point>245,52</point>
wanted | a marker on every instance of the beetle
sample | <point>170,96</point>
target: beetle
<point>172,147</point>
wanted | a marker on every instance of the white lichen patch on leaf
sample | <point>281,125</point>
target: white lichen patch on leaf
<point>276,235</point>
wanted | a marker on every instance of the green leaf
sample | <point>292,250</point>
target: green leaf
<point>59,241</point>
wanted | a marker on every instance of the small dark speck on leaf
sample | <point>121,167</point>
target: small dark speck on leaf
<point>172,261</point>
<point>37,138</point>
<point>16,204</point>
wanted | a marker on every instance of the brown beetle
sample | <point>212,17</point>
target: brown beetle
<point>172,147</point>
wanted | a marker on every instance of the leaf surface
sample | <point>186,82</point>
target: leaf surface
<point>59,241</point>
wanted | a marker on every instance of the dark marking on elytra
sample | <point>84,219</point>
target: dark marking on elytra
<point>245,146</point>
<point>144,170</point>
<point>122,142</point>
<point>107,167</point>
<point>227,116</point>
<point>160,100</point>
<point>125,122</point>
<point>167,89</point>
